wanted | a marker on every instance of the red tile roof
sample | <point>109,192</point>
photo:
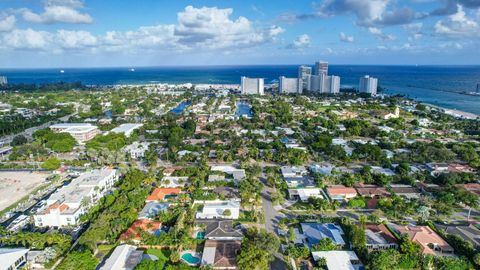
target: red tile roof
<point>159,193</point>
<point>424,235</point>
<point>341,189</point>
<point>144,225</point>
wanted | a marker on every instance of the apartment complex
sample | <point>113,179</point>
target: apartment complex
<point>289,85</point>
<point>81,132</point>
<point>368,85</point>
<point>252,86</point>
<point>67,204</point>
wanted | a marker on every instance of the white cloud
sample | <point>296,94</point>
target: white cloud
<point>414,31</point>
<point>302,41</point>
<point>458,25</point>
<point>380,35</point>
<point>7,24</point>
<point>75,39</point>
<point>27,39</point>
<point>58,11</point>
<point>211,27</point>
<point>206,28</point>
<point>346,38</point>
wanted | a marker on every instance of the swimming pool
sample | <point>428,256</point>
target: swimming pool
<point>200,235</point>
<point>190,259</point>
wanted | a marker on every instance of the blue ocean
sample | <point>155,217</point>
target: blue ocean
<point>438,85</point>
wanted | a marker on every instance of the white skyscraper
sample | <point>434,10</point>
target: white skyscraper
<point>368,85</point>
<point>252,86</point>
<point>289,85</point>
<point>334,84</point>
<point>3,80</point>
<point>303,75</point>
<point>321,67</point>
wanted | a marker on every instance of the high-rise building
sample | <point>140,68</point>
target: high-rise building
<point>252,86</point>
<point>289,85</point>
<point>334,84</point>
<point>324,84</point>
<point>368,85</point>
<point>303,75</point>
<point>478,87</point>
<point>3,80</point>
<point>321,67</point>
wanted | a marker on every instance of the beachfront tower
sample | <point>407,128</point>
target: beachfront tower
<point>252,86</point>
<point>289,85</point>
<point>321,67</point>
<point>368,85</point>
<point>304,73</point>
<point>3,80</point>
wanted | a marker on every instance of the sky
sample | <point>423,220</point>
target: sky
<point>109,33</point>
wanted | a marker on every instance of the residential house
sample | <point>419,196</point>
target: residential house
<point>406,191</point>
<point>472,187</point>
<point>293,171</point>
<point>467,232</point>
<point>221,254</point>
<point>312,233</point>
<point>137,149</point>
<point>126,129</point>
<point>152,209</point>
<point>430,242</point>
<point>339,259</point>
<point>237,174</point>
<point>323,169</point>
<point>305,193</point>
<point>379,237</point>
<point>162,194</point>
<point>142,225</point>
<point>219,229</point>
<point>341,192</point>
<point>124,257</point>
<point>218,209</point>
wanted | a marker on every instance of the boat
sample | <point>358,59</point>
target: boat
<point>132,70</point>
<point>62,71</point>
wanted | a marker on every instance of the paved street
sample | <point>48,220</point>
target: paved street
<point>272,217</point>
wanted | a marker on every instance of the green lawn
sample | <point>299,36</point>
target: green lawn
<point>161,254</point>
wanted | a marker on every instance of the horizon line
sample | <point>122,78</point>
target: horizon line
<point>237,65</point>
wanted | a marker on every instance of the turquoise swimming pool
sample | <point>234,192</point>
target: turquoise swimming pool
<point>190,259</point>
<point>200,235</point>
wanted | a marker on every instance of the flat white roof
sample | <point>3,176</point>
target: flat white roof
<point>123,128</point>
<point>70,125</point>
<point>337,259</point>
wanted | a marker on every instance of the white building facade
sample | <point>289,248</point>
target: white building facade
<point>67,204</point>
<point>252,86</point>
<point>368,85</point>
<point>289,85</point>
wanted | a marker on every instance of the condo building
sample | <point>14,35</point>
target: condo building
<point>67,204</point>
<point>368,85</point>
<point>321,67</point>
<point>304,73</point>
<point>289,85</point>
<point>3,80</point>
<point>252,86</point>
<point>81,132</point>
